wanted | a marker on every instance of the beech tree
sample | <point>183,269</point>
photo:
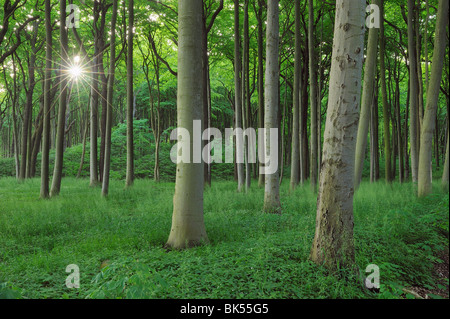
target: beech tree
<point>59,156</point>
<point>109,99</point>
<point>429,121</point>
<point>272,189</point>
<point>333,241</point>
<point>47,101</point>
<point>367,100</point>
<point>188,228</point>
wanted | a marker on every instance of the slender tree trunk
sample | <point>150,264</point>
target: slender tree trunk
<point>83,153</point>
<point>130,146</point>
<point>367,101</point>
<point>313,97</point>
<point>386,106</point>
<point>246,95</point>
<point>295,153</point>
<point>59,155</point>
<point>444,181</point>
<point>47,101</point>
<point>333,242</point>
<point>109,99</point>
<point>413,91</point>
<point>440,43</point>
<point>272,192</point>
<point>188,228</point>
<point>238,97</point>
<point>260,82</point>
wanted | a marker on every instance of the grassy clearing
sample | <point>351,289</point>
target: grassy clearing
<point>117,243</point>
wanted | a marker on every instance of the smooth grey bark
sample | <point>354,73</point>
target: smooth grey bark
<point>246,94</point>
<point>444,181</point>
<point>109,100</point>
<point>188,228</point>
<point>44,193</point>
<point>130,146</point>
<point>333,244</point>
<point>386,105</point>
<point>238,96</point>
<point>313,98</point>
<point>413,91</point>
<point>272,192</point>
<point>295,145</point>
<point>59,155</point>
<point>429,121</point>
<point>260,81</point>
<point>366,101</point>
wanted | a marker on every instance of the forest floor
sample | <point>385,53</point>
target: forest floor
<point>117,243</point>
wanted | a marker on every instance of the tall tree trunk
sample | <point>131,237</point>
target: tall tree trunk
<point>295,153</point>
<point>386,106</point>
<point>130,146</point>
<point>83,152</point>
<point>238,97</point>
<point>109,98</point>
<point>313,97</point>
<point>188,228</point>
<point>333,242</point>
<point>59,155</point>
<point>260,82</point>
<point>246,95</point>
<point>413,91</point>
<point>93,152</point>
<point>47,101</point>
<point>367,101</point>
<point>440,43</point>
<point>272,191</point>
<point>444,181</point>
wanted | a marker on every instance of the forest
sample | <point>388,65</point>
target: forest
<point>224,149</point>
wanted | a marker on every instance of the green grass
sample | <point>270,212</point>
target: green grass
<point>250,255</point>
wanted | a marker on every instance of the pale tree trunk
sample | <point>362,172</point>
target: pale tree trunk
<point>109,99</point>
<point>272,190</point>
<point>83,153</point>
<point>47,96</point>
<point>386,106</point>
<point>130,147</point>
<point>366,101</point>
<point>238,97</point>
<point>313,97</point>
<point>59,157</point>
<point>295,153</point>
<point>444,182</point>
<point>93,160</point>
<point>413,91</point>
<point>440,43</point>
<point>333,243</point>
<point>260,82</point>
<point>188,228</point>
<point>246,95</point>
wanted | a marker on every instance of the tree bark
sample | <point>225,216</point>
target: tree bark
<point>130,145</point>
<point>238,97</point>
<point>367,101</point>
<point>386,106</point>
<point>47,101</point>
<point>440,43</point>
<point>59,155</point>
<point>295,145</point>
<point>109,98</point>
<point>188,228</point>
<point>413,91</point>
<point>333,242</point>
<point>272,192</point>
<point>313,97</point>
<point>260,82</point>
